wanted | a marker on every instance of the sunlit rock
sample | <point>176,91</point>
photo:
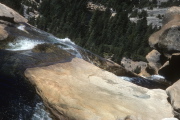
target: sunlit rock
<point>78,90</point>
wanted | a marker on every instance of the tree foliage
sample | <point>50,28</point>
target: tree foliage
<point>97,30</point>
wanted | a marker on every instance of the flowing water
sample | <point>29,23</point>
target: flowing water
<point>14,97</point>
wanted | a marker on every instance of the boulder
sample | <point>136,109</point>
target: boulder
<point>133,66</point>
<point>78,90</point>
<point>9,15</point>
<point>166,40</point>
<point>8,18</point>
<point>154,60</point>
<point>172,13</point>
<point>170,70</point>
<point>174,96</point>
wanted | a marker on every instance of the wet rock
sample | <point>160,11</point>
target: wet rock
<point>78,90</point>
<point>47,48</point>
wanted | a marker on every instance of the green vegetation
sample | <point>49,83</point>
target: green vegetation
<point>97,30</point>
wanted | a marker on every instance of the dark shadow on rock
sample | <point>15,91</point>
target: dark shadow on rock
<point>150,84</point>
<point>171,71</point>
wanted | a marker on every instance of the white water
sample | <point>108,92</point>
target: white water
<point>22,44</point>
<point>126,78</point>
<point>157,77</point>
<point>69,46</point>
<point>65,40</point>
<point>27,44</point>
<point>21,27</point>
<point>40,113</point>
<point>153,77</point>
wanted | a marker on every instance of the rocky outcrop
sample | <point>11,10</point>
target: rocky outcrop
<point>9,15</point>
<point>173,93</point>
<point>133,66</point>
<point>154,60</point>
<point>166,40</point>
<point>172,13</point>
<point>170,69</point>
<point>78,90</point>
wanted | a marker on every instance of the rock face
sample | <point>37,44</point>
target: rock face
<point>133,66</point>
<point>172,13</point>
<point>153,59</point>
<point>8,14</point>
<point>173,93</point>
<point>166,40</point>
<point>78,90</point>
<point>8,17</point>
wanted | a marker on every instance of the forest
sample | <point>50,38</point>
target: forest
<point>108,35</point>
